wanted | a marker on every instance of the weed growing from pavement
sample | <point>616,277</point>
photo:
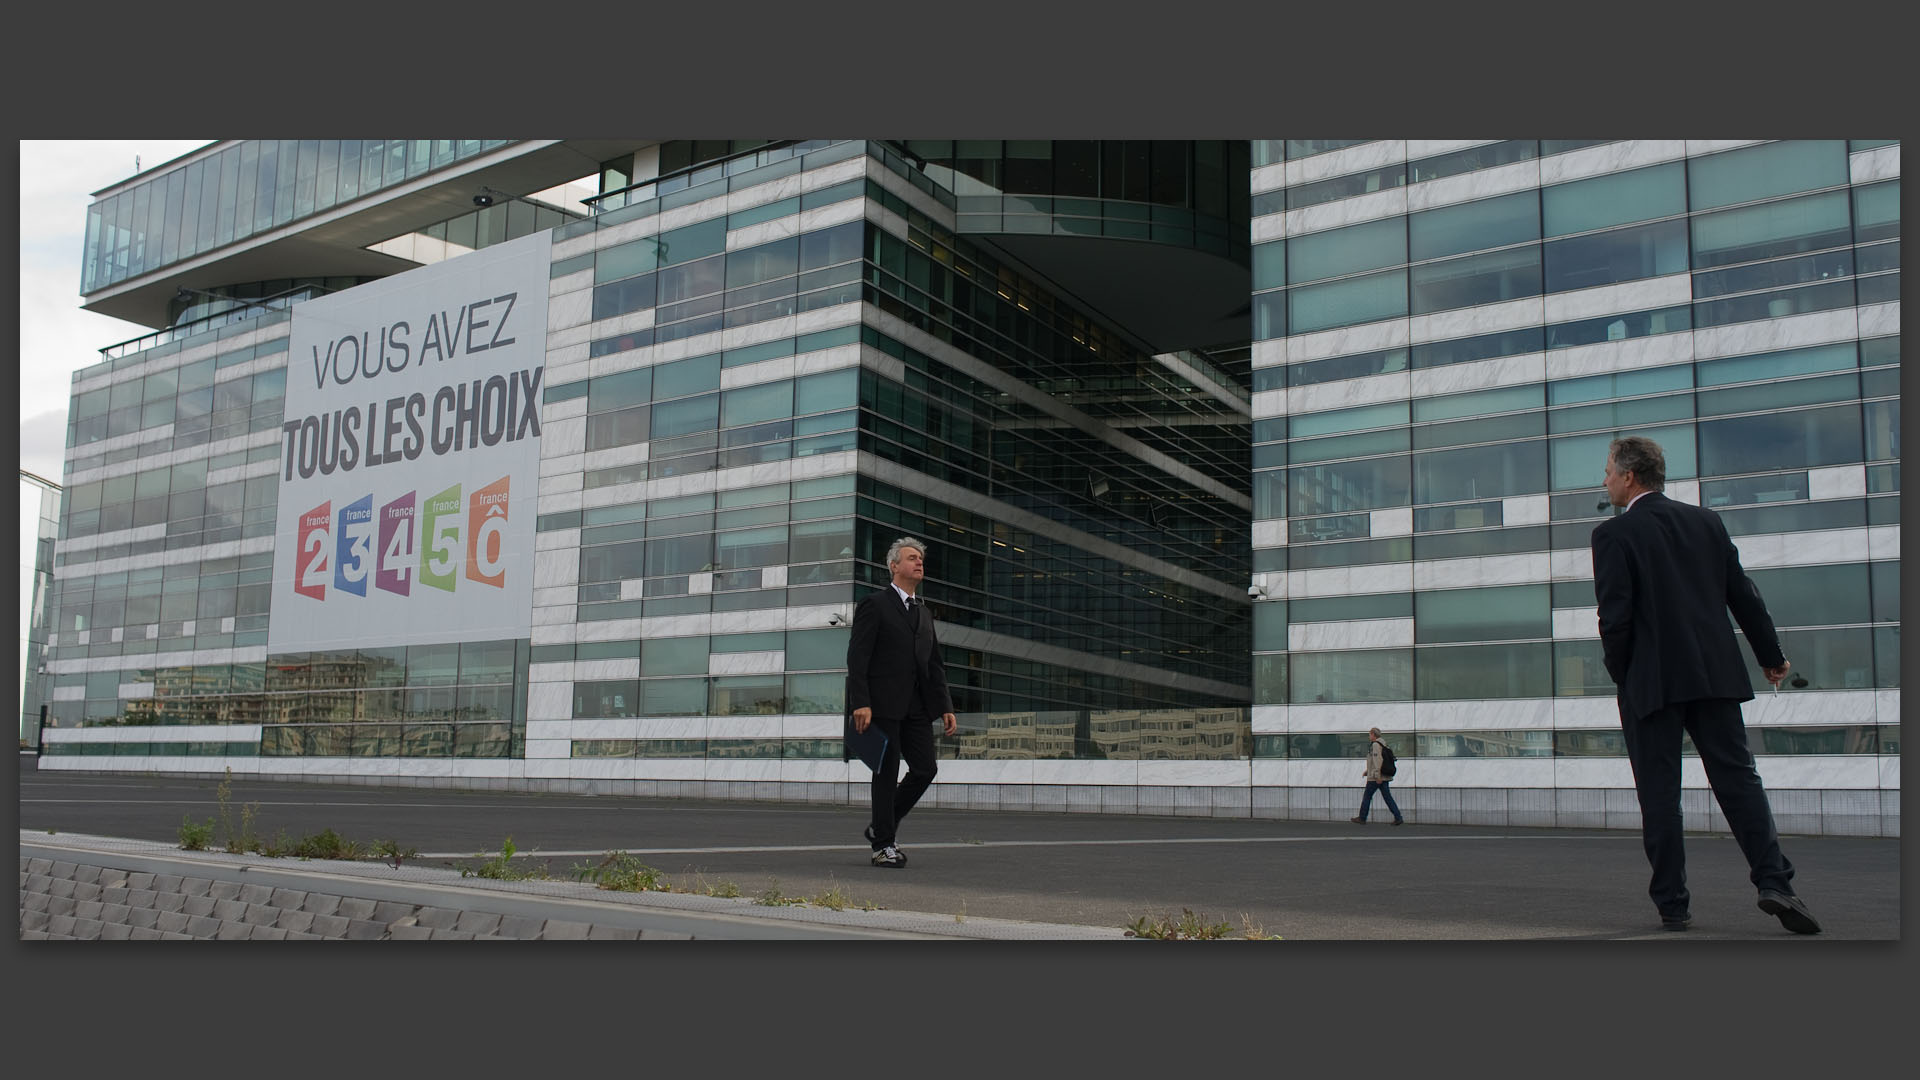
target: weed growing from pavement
<point>500,867</point>
<point>1255,932</point>
<point>723,888</point>
<point>195,837</point>
<point>622,872</point>
<point>1188,927</point>
<point>772,897</point>
<point>391,851</point>
<point>243,839</point>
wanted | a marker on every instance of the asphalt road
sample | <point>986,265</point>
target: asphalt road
<point>1298,879</point>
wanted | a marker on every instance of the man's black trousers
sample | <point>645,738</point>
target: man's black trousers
<point>911,739</point>
<point>1720,737</point>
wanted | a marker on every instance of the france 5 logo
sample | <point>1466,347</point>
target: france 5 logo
<point>431,541</point>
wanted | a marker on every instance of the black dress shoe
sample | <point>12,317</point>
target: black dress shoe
<point>1676,922</point>
<point>1791,911</point>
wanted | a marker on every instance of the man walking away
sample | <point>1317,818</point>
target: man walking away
<point>1665,575</point>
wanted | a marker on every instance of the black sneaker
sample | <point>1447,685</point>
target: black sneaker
<point>1792,913</point>
<point>1677,921</point>
<point>889,856</point>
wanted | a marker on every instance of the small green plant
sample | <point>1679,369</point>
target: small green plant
<point>327,844</point>
<point>500,867</point>
<point>835,898</point>
<point>771,896</point>
<point>961,915</point>
<point>391,851</point>
<point>195,837</point>
<point>1188,927</point>
<point>622,872</point>
<point>240,840</point>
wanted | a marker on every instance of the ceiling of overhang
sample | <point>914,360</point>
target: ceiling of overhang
<point>1169,297</point>
<point>334,242</point>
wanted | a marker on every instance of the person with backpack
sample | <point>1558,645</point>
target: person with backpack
<point>1380,770</point>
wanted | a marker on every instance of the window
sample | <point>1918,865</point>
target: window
<point>1759,172</point>
<point>1484,671</point>
<point>1504,613</point>
<point>1488,223</point>
<point>1618,199</point>
<point>1476,279</point>
<point>1344,251</point>
<point>1348,486</point>
<point>1346,303</point>
<point>1771,230</point>
<point>1800,439</point>
<point>1480,472</point>
<point>1366,675</point>
<point>1620,255</point>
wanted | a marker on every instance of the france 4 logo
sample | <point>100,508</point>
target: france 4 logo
<point>402,541</point>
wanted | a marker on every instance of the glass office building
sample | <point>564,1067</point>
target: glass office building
<point>1222,452</point>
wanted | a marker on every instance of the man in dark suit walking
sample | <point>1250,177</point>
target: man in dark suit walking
<point>895,680</point>
<point>1665,574</point>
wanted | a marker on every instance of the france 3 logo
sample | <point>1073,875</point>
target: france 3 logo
<point>347,547</point>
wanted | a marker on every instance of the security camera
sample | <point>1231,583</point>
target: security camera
<point>1256,591</point>
<point>483,199</point>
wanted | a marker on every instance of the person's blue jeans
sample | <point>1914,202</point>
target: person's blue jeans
<point>1385,793</point>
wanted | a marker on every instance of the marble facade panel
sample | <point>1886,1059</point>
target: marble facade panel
<point>1592,773</point>
<point>764,232</point>
<point>1515,714</point>
<point>1482,319</point>
<point>1525,510</point>
<point>1586,713</point>
<point>1372,206</point>
<point>1483,772</point>
<point>1879,163</point>
<point>1576,624</point>
<point>1823,772</point>
<point>1347,340</point>
<point>1194,773</point>
<point>1698,147</point>
<point>1480,375</point>
<point>1353,716</point>
<point>1604,357</point>
<point>747,663</point>
<point>1269,719</point>
<point>1767,335</point>
<point>1655,292</point>
<point>1396,521</point>
<point>1349,634</point>
<point>1267,177</point>
<point>556,568</point>
<point>1883,542</point>
<point>1809,707</point>
<point>606,670</point>
<point>1269,532</point>
<point>755,621</point>
<point>1886,706</point>
<point>1570,565</point>
<point>1347,159</point>
<point>1609,158</point>
<point>1837,482</point>
<point>567,310</point>
<point>1322,397</point>
<point>1478,184</point>
<point>1879,320</point>
<point>1050,771</point>
<point>811,726</point>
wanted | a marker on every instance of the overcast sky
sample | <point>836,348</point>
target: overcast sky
<point>57,180</point>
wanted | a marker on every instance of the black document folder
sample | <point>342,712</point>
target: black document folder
<point>869,746</point>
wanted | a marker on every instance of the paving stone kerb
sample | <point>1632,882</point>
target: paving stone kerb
<point>217,896</point>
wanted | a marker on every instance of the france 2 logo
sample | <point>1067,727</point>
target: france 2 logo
<point>431,541</point>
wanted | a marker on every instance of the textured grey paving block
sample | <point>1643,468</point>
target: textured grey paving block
<point>34,935</point>
<point>177,937</point>
<point>451,935</point>
<point>230,910</point>
<point>437,918</point>
<point>299,935</point>
<point>141,916</point>
<point>364,930</point>
<point>664,935</point>
<point>111,878</point>
<point>261,915</point>
<point>491,937</point>
<point>565,930</point>
<point>268,933</point>
<point>39,866</point>
<point>115,931</point>
<point>293,920</point>
<point>388,911</point>
<point>60,926</point>
<point>203,926</point>
<point>165,883</point>
<point>169,901</point>
<point>36,883</point>
<point>34,920</point>
<point>89,874</point>
<point>35,901</point>
<point>520,927</point>
<point>224,890</point>
<point>116,913</point>
<point>284,898</point>
<point>143,933</point>
<point>88,929</point>
<point>61,869</point>
<point>86,890</point>
<point>200,905</point>
<point>140,880</point>
<point>477,923</point>
<point>613,933</point>
<point>87,909</point>
<point>141,898</point>
<point>330,926</point>
<point>61,905</point>
<point>320,903</point>
<point>114,895</point>
<point>194,886</point>
<point>233,931</point>
<point>409,932</point>
<point>173,922</point>
<point>61,886</point>
<point>354,907</point>
<point>256,894</point>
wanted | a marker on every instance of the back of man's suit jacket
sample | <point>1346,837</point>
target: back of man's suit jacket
<point>1665,574</point>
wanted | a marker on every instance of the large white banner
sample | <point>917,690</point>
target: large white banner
<point>411,456</point>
